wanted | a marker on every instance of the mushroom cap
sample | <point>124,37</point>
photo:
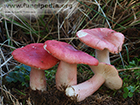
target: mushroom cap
<point>102,38</point>
<point>110,73</point>
<point>34,56</point>
<point>67,53</point>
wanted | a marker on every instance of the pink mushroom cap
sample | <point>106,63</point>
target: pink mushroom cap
<point>39,60</point>
<point>34,56</point>
<point>102,38</point>
<point>66,52</point>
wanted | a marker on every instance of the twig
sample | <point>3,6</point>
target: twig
<point>58,24</point>
<point>7,46</point>
<point>134,68</point>
<point>10,95</point>
<point>103,13</point>
<point>1,98</point>
<point>6,61</point>
<point>9,71</point>
<point>69,38</point>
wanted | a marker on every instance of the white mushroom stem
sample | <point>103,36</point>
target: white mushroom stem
<point>37,79</point>
<point>102,55</point>
<point>66,75</point>
<point>86,88</point>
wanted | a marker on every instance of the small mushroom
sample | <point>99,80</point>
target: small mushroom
<point>39,60</point>
<point>103,73</point>
<point>104,40</point>
<point>69,57</point>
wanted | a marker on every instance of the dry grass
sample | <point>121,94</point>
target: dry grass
<point>17,31</point>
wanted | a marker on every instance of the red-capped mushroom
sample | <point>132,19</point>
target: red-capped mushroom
<point>66,74</point>
<point>104,40</point>
<point>104,73</point>
<point>39,60</point>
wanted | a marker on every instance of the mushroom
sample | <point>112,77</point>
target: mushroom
<point>103,73</point>
<point>39,60</point>
<point>69,57</point>
<point>104,40</point>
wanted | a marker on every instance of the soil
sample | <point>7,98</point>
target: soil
<point>55,97</point>
<point>52,96</point>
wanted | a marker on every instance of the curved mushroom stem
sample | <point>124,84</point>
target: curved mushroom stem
<point>104,73</point>
<point>86,88</point>
<point>66,75</point>
<point>37,79</point>
<point>102,56</point>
